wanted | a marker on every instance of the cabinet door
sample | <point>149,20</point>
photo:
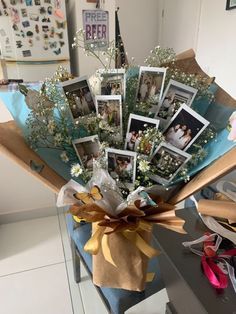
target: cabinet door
<point>180,22</point>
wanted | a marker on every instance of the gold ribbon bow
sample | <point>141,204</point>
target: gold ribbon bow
<point>129,223</point>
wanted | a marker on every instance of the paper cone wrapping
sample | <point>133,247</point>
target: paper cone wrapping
<point>219,209</point>
<point>131,270</point>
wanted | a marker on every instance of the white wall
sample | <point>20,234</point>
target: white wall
<point>19,191</point>
<point>207,27</point>
<point>216,49</point>
<point>140,24</point>
<point>180,24</point>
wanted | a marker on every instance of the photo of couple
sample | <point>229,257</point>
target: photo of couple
<point>87,149</point>
<point>121,165</point>
<point>109,109</point>
<point>150,84</point>
<point>184,128</point>
<point>79,96</point>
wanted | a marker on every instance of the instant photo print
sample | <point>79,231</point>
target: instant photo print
<point>150,86</point>
<point>80,95</point>
<point>175,95</point>
<point>113,82</point>
<point>184,128</point>
<point>109,108</point>
<point>121,165</point>
<point>87,150</point>
<point>166,162</point>
<point>137,125</point>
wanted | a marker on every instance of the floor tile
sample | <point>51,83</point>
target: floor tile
<point>156,304</point>
<point>30,244</point>
<point>40,291</point>
<point>90,297</point>
<point>75,290</point>
<point>65,237</point>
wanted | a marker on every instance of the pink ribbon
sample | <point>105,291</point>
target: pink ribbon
<point>212,271</point>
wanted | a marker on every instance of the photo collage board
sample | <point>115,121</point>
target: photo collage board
<point>33,30</point>
<point>171,114</point>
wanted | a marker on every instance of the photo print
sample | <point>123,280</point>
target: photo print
<point>109,108</point>
<point>34,17</point>
<point>166,162</point>
<point>26,53</point>
<point>184,128</point>
<point>150,85</point>
<point>121,165</point>
<point>113,82</point>
<point>24,12</point>
<point>137,126</point>
<point>29,3</point>
<point>175,95</point>
<point>87,149</point>
<point>79,94</point>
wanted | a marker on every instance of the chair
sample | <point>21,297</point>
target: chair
<point>117,301</point>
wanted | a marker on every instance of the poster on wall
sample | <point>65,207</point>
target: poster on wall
<point>96,28</point>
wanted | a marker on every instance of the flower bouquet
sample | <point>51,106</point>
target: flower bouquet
<point>129,137</point>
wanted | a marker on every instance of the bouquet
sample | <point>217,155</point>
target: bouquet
<point>126,136</point>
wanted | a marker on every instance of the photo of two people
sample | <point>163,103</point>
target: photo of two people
<point>109,108</point>
<point>151,82</point>
<point>121,165</point>
<point>79,95</point>
<point>87,149</point>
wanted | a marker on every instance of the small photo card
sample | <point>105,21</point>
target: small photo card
<point>26,53</point>
<point>79,95</point>
<point>150,85</point>
<point>113,82</point>
<point>184,128</point>
<point>175,95</point>
<point>135,133</point>
<point>121,165</point>
<point>109,108</point>
<point>166,162</point>
<point>87,149</point>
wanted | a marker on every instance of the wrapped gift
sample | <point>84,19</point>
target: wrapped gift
<point>120,241</point>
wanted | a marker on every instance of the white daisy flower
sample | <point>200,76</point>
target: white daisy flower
<point>76,170</point>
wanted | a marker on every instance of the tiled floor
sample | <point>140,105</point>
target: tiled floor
<point>36,273</point>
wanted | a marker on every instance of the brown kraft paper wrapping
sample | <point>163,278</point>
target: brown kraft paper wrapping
<point>131,270</point>
<point>220,209</point>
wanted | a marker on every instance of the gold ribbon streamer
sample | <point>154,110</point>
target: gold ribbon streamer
<point>137,240</point>
<point>150,277</point>
<point>93,245</point>
<point>106,250</point>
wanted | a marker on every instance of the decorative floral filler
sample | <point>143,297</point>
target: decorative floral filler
<point>232,127</point>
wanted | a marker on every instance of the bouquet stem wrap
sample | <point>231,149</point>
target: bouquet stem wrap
<point>121,230</point>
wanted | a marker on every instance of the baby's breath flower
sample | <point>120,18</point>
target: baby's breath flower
<point>58,138</point>
<point>76,170</point>
<point>64,157</point>
<point>144,165</point>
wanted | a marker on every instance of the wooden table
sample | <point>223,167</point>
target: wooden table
<point>188,289</point>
